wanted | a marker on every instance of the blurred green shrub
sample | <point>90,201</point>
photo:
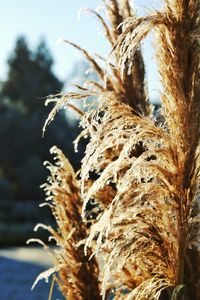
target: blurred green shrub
<point>6,190</point>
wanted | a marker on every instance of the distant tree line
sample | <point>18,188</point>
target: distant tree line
<point>22,115</point>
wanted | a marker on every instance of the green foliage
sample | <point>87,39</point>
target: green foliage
<point>30,77</point>
<point>17,220</point>
<point>6,190</point>
<point>22,116</point>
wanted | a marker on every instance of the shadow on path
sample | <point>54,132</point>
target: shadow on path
<point>17,277</point>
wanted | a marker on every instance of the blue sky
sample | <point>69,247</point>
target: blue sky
<point>53,19</point>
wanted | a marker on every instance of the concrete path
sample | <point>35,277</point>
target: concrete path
<point>19,268</point>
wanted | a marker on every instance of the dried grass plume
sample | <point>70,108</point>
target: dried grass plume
<point>143,177</point>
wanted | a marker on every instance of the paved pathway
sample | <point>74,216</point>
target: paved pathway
<point>18,269</point>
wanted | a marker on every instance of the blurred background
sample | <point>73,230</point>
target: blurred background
<point>32,66</point>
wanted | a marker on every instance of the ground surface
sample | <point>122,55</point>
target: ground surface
<point>19,268</point>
